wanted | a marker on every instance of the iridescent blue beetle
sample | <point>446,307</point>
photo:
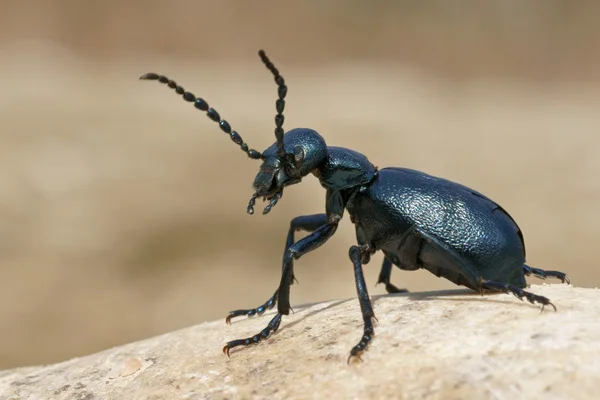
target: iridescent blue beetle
<point>415,219</point>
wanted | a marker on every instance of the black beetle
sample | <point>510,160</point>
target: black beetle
<point>415,219</point>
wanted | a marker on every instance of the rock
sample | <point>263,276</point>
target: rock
<point>433,345</point>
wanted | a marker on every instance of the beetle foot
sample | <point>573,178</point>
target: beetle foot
<point>269,304</point>
<point>543,274</point>
<point>518,292</point>
<point>368,334</point>
<point>391,289</point>
<point>265,333</point>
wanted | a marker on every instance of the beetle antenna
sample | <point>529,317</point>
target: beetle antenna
<point>280,103</point>
<point>202,105</point>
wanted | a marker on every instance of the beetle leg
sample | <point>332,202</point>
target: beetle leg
<point>295,251</point>
<point>409,248</point>
<point>265,333</point>
<point>307,223</point>
<point>518,292</point>
<point>366,308</point>
<point>543,274</point>
<point>385,275</point>
<point>254,311</point>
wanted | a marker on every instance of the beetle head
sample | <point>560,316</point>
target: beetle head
<point>302,151</point>
<point>286,161</point>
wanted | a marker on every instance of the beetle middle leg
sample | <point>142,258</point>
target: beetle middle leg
<point>295,251</point>
<point>356,254</point>
<point>409,248</point>
<point>518,292</point>
<point>543,274</point>
<point>385,277</point>
<point>307,223</point>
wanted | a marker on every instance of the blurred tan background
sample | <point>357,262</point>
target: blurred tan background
<point>122,208</point>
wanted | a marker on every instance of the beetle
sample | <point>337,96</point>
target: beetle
<point>418,221</point>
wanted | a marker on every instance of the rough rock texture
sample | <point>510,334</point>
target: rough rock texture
<point>434,345</point>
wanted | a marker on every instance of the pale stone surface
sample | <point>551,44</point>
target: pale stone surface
<point>434,345</point>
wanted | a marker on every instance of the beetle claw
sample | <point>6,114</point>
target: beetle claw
<point>269,304</point>
<point>518,292</point>
<point>264,334</point>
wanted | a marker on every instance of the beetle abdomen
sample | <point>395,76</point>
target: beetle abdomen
<point>456,223</point>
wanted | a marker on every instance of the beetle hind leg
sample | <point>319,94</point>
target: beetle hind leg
<point>543,274</point>
<point>518,292</point>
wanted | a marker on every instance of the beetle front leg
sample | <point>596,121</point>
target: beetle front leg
<point>265,333</point>
<point>356,254</point>
<point>307,223</point>
<point>297,250</point>
<point>270,303</point>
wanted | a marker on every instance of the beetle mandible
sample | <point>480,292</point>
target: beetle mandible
<point>416,220</point>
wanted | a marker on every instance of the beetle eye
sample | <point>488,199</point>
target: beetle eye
<point>298,156</point>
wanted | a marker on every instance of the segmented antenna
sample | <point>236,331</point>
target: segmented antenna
<point>280,103</point>
<point>202,105</point>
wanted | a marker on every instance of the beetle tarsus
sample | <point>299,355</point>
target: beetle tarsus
<point>368,333</point>
<point>392,289</point>
<point>543,274</point>
<point>518,292</point>
<point>262,335</point>
<point>269,304</point>
<point>385,275</point>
